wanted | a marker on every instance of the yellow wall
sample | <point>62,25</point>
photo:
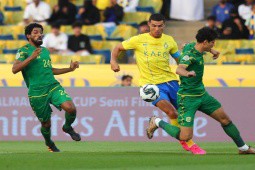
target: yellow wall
<point>101,75</point>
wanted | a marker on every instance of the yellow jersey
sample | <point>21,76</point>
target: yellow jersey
<point>102,4</point>
<point>152,57</point>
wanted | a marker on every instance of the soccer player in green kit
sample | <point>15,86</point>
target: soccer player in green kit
<point>192,95</point>
<point>34,62</point>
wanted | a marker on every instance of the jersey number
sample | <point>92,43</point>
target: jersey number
<point>46,63</point>
<point>63,92</point>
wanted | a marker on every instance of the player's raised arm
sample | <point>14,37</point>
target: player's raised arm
<point>73,66</point>
<point>20,64</point>
<point>215,54</point>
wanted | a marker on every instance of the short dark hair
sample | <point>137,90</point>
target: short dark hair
<point>157,17</point>
<point>77,24</point>
<point>206,33</point>
<point>124,77</point>
<point>212,18</point>
<point>143,23</point>
<point>29,28</point>
<point>56,25</point>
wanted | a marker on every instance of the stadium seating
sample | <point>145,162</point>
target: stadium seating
<point>15,8</point>
<point>105,53</point>
<point>137,17</point>
<point>234,52</point>
<point>22,37</point>
<point>14,3</point>
<point>6,37</point>
<point>13,17</point>
<point>96,37</point>
<point>156,4</point>
<point>149,9</point>
<point>94,30</point>
<point>124,31</point>
<point>91,59</point>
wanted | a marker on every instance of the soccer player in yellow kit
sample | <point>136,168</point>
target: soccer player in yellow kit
<point>152,56</point>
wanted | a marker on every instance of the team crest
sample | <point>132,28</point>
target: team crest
<point>186,58</point>
<point>17,55</point>
<point>166,46</point>
<point>188,119</point>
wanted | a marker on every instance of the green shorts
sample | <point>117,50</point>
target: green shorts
<point>41,97</point>
<point>188,105</point>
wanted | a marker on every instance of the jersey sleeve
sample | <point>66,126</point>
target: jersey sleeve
<point>130,43</point>
<point>186,60</point>
<point>21,55</point>
<point>175,53</point>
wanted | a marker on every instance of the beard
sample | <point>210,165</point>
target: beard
<point>37,42</point>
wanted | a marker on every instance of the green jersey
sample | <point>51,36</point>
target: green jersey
<point>195,62</point>
<point>39,71</point>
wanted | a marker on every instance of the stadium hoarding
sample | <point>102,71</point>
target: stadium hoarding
<point>102,75</point>
<point>118,114</point>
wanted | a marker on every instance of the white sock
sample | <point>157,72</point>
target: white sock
<point>244,148</point>
<point>157,120</point>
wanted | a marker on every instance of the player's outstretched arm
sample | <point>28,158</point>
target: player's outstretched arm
<point>215,54</point>
<point>20,65</point>
<point>114,55</point>
<point>181,70</point>
<point>73,66</point>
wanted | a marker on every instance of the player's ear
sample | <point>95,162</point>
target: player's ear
<point>205,42</point>
<point>28,36</point>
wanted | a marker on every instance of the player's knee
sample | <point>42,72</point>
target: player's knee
<point>46,124</point>
<point>225,121</point>
<point>172,113</point>
<point>69,108</point>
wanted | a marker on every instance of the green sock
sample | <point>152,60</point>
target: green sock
<point>173,131</point>
<point>69,120</point>
<point>47,135</point>
<point>232,131</point>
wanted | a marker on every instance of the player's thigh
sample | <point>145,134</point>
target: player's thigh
<point>59,96</point>
<point>221,116</point>
<point>186,133</point>
<point>163,94</point>
<point>209,104</point>
<point>187,107</point>
<point>41,108</point>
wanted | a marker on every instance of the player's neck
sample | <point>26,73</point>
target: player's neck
<point>153,36</point>
<point>32,44</point>
<point>199,48</point>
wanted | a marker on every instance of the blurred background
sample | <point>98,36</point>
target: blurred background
<point>87,30</point>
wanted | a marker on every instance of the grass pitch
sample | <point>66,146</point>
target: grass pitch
<point>121,155</point>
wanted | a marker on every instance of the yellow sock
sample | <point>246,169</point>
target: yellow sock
<point>190,143</point>
<point>174,122</point>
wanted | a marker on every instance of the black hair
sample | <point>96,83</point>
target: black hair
<point>55,25</point>
<point>29,28</point>
<point>77,24</point>
<point>206,33</point>
<point>157,17</point>
<point>143,23</point>
<point>124,77</point>
<point>87,4</point>
<point>212,18</point>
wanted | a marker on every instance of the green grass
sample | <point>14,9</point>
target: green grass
<point>121,155</point>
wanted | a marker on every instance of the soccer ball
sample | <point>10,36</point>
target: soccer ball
<point>149,92</point>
